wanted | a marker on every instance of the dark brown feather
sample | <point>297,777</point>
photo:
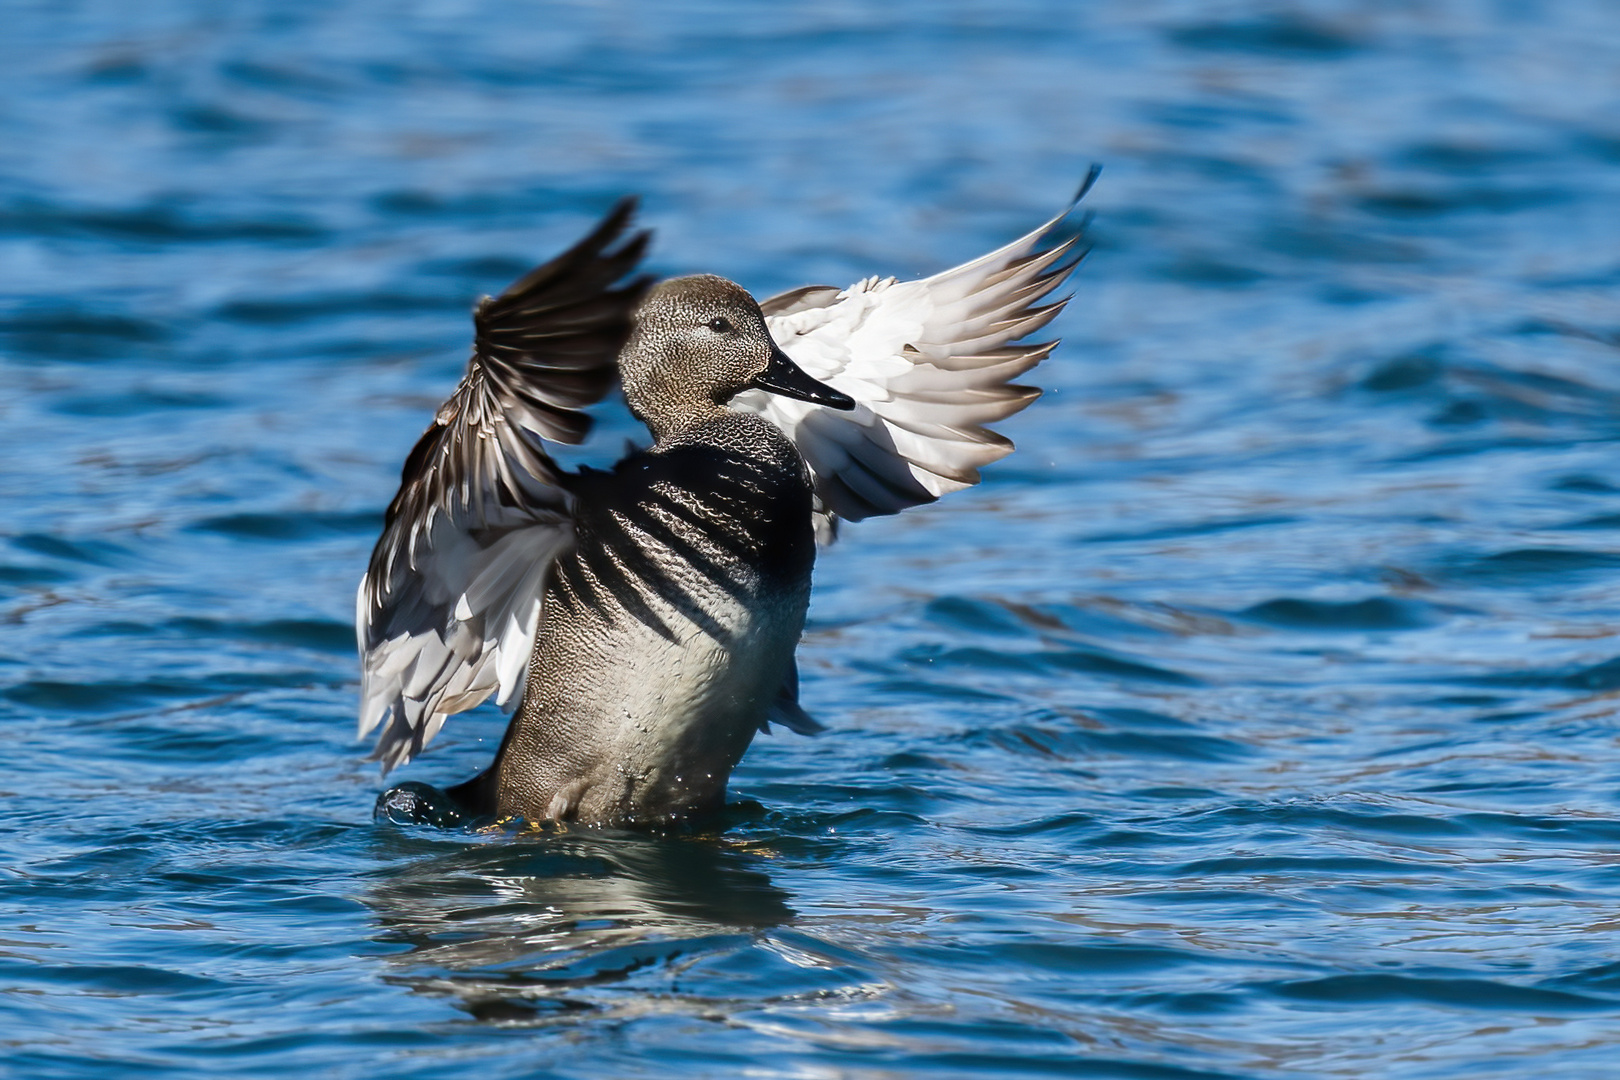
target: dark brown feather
<point>543,350</point>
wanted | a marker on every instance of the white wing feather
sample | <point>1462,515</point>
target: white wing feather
<point>928,363</point>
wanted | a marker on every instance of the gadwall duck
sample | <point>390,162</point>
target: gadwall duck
<point>644,620</point>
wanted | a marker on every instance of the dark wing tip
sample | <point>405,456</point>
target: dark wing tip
<point>549,344</point>
<point>1086,184</point>
<point>590,263</point>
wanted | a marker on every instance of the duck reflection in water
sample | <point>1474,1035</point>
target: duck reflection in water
<point>643,620</point>
<point>543,924</point>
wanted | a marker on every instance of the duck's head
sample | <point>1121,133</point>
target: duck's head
<point>696,343</point>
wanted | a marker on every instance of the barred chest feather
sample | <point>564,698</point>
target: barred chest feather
<point>669,629</point>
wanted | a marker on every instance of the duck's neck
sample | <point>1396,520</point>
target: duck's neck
<point>673,418</point>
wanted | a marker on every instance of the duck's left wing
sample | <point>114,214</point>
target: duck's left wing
<point>928,362</point>
<point>447,611</point>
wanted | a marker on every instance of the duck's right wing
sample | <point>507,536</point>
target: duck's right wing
<point>929,364</point>
<point>447,611</point>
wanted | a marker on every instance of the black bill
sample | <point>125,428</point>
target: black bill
<point>783,376</point>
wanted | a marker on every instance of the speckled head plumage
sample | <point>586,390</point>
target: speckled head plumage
<point>697,342</point>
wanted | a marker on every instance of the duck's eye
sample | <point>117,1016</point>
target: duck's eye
<point>721,325</point>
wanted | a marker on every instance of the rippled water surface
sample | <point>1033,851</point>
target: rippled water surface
<point>1256,719</point>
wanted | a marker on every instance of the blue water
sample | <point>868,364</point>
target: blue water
<point>1256,719</point>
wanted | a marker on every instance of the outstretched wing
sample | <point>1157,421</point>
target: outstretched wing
<point>928,362</point>
<point>447,611</point>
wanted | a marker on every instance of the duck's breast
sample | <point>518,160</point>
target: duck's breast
<point>668,631</point>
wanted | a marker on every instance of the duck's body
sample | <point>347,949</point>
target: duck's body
<point>644,620</point>
<point>682,602</point>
